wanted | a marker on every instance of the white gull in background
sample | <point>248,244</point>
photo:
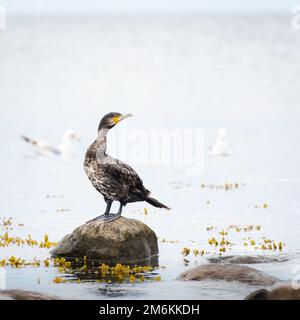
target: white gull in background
<point>43,148</point>
<point>220,147</point>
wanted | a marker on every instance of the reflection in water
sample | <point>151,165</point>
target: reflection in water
<point>92,270</point>
<point>114,291</point>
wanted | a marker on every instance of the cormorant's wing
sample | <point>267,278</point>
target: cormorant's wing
<point>125,174</point>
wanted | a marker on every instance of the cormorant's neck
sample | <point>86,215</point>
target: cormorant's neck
<point>102,134</point>
<point>101,139</point>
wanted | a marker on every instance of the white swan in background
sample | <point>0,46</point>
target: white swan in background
<point>43,148</point>
<point>220,147</point>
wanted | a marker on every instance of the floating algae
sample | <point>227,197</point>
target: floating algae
<point>219,243</point>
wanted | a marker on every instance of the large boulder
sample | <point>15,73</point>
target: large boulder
<point>228,272</point>
<point>284,292</point>
<point>120,241</point>
<point>24,295</point>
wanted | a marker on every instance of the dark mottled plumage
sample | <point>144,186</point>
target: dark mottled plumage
<point>114,179</point>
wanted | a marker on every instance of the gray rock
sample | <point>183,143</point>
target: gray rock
<point>248,259</point>
<point>228,272</point>
<point>284,292</point>
<point>24,295</point>
<point>123,240</point>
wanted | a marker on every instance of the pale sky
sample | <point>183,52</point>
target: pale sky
<point>146,6</point>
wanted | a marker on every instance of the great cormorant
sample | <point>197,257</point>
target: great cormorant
<point>114,179</point>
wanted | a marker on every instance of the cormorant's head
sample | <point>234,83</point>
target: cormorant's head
<point>111,119</point>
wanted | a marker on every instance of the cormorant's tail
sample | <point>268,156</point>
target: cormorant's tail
<point>156,203</point>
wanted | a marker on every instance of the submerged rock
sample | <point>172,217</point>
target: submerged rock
<point>228,272</point>
<point>120,241</point>
<point>249,259</point>
<point>24,295</point>
<point>284,292</point>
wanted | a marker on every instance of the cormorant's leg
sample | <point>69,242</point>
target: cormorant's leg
<point>108,206</point>
<point>111,217</point>
<point>106,215</point>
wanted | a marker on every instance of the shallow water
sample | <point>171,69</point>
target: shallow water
<point>241,73</point>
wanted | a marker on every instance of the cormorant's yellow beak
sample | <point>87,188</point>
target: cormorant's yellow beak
<point>117,119</point>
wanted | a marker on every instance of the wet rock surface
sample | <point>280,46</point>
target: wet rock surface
<point>228,272</point>
<point>283,292</point>
<point>249,259</point>
<point>123,240</point>
<point>24,295</point>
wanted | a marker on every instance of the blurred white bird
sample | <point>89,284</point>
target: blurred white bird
<point>220,147</point>
<point>43,148</point>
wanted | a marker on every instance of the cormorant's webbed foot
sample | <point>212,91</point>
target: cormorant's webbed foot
<point>111,217</point>
<point>107,217</point>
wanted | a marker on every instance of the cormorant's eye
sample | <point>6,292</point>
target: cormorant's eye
<point>116,119</point>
